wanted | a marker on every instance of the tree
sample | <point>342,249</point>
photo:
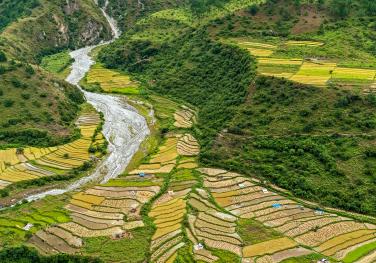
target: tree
<point>340,8</point>
<point>3,57</point>
<point>253,9</point>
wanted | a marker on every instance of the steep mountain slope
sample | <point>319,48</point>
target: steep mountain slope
<point>11,10</point>
<point>36,108</point>
<point>55,25</point>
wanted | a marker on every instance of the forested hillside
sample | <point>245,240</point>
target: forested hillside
<point>11,10</point>
<point>218,83</point>
<point>37,108</point>
<point>190,68</point>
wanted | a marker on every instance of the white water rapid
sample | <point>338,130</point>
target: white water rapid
<point>124,128</point>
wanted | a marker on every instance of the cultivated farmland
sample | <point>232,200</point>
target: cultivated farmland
<point>184,117</point>
<point>110,81</point>
<point>310,71</point>
<point>109,211</point>
<point>326,233</point>
<point>33,163</point>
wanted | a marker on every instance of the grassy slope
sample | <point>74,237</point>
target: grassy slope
<point>128,12</point>
<point>10,10</point>
<point>108,250</point>
<point>35,108</point>
<point>58,63</point>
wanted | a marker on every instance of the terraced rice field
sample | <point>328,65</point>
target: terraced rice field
<point>33,163</point>
<point>184,117</point>
<point>304,43</point>
<point>326,233</point>
<point>353,75</point>
<point>199,210</point>
<point>311,72</point>
<point>187,163</point>
<point>163,161</point>
<point>188,146</point>
<point>215,228</point>
<point>98,211</point>
<point>258,49</point>
<point>168,213</point>
<point>111,81</point>
<point>166,157</point>
<point>314,73</point>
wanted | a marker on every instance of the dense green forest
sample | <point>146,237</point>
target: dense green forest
<point>211,76</point>
<point>10,10</point>
<point>315,143</point>
<point>27,255</point>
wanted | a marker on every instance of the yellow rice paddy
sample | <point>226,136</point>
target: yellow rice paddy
<point>15,166</point>
<point>268,247</point>
<point>304,43</point>
<point>109,80</point>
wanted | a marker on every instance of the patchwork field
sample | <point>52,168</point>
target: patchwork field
<point>184,117</point>
<point>326,233</point>
<point>169,154</point>
<point>305,70</point>
<point>33,163</point>
<point>108,80</point>
<point>109,211</point>
<point>210,213</point>
<point>207,212</point>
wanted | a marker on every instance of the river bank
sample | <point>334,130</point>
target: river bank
<point>124,128</point>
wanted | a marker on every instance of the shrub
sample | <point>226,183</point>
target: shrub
<point>3,57</point>
<point>2,70</point>
<point>253,9</point>
<point>340,8</point>
<point>29,69</point>
<point>25,96</point>
<point>8,103</point>
<point>16,82</point>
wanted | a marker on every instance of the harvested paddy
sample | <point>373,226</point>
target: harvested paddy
<point>296,225</point>
<point>33,163</point>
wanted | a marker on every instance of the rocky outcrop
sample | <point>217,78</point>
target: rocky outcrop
<point>71,6</point>
<point>57,25</point>
<point>91,33</point>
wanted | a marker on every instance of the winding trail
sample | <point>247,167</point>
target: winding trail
<point>124,128</point>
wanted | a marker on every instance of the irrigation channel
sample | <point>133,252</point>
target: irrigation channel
<point>124,128</point>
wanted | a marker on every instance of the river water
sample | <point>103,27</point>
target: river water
<point>124,128</point>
